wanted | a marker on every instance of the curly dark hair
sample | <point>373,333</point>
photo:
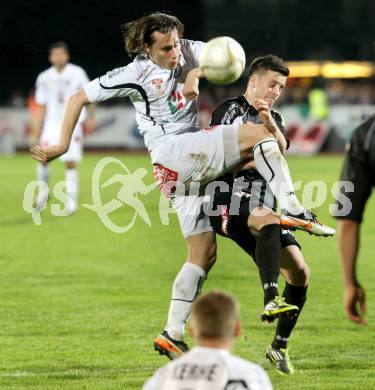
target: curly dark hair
<point>138,32</point>
<point>269,62</point>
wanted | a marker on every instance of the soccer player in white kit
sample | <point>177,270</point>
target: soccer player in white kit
<point>162,82</point>
<point>54,86</point>
<point>214,326</point>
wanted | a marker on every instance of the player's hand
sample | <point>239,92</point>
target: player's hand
<point>45,155</point>
<point>191,87</point>
<point>355,303</point>
<point>265,115</point>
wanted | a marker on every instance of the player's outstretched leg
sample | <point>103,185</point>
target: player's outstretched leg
<point>272,165</point>
<point>267,256</point>
<point>305,221</point>
<point>186,287</point>
<point>169,347</point>
<point>277,352</point>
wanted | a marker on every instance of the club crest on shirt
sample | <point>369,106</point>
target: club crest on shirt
<point>157,86</point>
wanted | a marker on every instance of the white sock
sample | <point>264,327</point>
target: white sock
<point>71,179</point>
<point>186,287</point>
<point>43,172</point>
<point>272,165</point>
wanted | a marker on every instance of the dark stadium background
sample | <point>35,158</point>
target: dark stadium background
<point>293,29</point>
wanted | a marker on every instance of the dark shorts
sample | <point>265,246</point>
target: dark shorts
<point>359,169</point>
<point>232,223</point>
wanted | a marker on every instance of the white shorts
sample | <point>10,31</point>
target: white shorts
<point>51,136</point>
<point>186,162</point>
<point>192,219</point>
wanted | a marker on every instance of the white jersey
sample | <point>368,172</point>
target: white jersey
<point>161,109</point>
<point>209,369</point>
<point>54,88</point>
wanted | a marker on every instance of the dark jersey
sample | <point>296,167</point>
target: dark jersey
<point>359,168</point>
<point>249,184</point>
<point>226,113</point>
<point>362,144</point>
<point>229,110</point>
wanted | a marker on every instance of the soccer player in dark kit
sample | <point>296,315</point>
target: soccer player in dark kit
<point>245,210</point>
<point>359,169</point>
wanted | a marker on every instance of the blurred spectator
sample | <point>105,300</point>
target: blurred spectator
<point>34,112</point>
<point>337,91</point>
<point>16,99</point>
<point>318,101</point>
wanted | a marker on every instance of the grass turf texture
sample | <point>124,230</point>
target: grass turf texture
<point>81,305</point>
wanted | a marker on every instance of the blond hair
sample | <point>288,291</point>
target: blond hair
<point>215,315</point>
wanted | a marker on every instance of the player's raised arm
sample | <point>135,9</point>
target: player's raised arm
<point>266,117</point>
<point>191,88</point>
<point>72,112</point>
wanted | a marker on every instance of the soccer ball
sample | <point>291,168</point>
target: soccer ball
<point>222,60</point>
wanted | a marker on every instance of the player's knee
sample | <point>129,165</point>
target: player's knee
<point>301,276</point>
<point>211,256</point>
<point>347,224</point>
<point>203,256</point>
<point>306,274</point>
<point>70,165</point>
<point>267,148</point>
<point>249,135</point>
<point>260,218</point>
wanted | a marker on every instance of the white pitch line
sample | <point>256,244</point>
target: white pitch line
<point>78,372</point>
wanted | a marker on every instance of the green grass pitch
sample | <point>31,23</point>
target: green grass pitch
<point>81,305</point>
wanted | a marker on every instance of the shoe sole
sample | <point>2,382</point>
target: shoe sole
<point>293,224</point>
<point>167,348</point>
<point>271,316</point>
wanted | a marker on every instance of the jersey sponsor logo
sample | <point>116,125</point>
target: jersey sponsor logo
<point>176,101</point>
<point>144,72</point>
<point>229,115</point>
<point>178,106</point>
<point>115,72</point>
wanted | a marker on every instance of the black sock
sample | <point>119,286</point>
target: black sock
<point>267,256</point>
<point>293,295</point>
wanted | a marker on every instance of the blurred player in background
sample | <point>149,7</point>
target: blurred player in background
<point>254,225</point>
<point>359,168</point>
<point>214,326</point>
<point>162,82</point>
<point>54,86</point>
